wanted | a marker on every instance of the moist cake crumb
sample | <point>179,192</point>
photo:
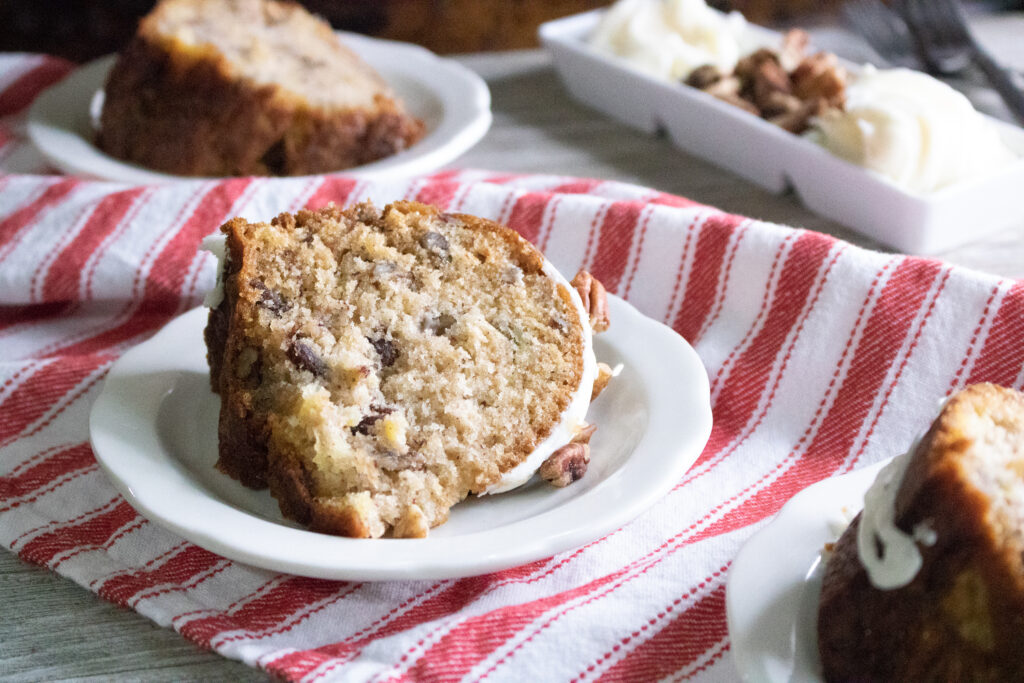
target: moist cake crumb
<point>377,366</point>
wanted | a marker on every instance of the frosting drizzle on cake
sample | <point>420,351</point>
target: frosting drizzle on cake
<point>889,555</point>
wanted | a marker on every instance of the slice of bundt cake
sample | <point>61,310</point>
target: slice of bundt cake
<point>927,584</point>
<point>376,367</point>
<point>247,87</point>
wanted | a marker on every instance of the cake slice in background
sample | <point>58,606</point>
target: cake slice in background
<point>247,87</point>
<point>927,583</point>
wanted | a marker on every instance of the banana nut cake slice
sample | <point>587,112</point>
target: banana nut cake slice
<point>377,366</point>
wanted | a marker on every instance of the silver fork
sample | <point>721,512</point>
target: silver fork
<point>884,30</point>
<point>948,44</point>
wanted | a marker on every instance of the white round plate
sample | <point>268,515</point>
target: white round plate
<point>453,102</point>
<point>772,593</point>
<point>154,430</point>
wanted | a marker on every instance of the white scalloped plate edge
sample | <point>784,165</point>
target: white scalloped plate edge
<point>659,364</point>
<point>772,592</point>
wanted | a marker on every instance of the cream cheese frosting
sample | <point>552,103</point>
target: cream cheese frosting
<point>216,244</point>
<point>891,556</point>
<point>912,129</point>
<point>670,38</point>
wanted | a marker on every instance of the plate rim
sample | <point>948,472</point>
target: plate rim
<point>605,507</point>
<point>459,129</point>
<point>746,608</point>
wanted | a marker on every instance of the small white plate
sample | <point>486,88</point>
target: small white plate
<point>772,593</point>
<point>154,430</point>
<point>779,161</point>
<point>453,102</point>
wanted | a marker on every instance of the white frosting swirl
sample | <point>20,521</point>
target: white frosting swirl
<point>890,555</point>
<point>670,38</point>
<point>216,244</point>
<point>912,129</point>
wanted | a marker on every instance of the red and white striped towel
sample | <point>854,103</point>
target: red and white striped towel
<point>823,357</point>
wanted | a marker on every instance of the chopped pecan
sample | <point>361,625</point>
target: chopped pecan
<point>269,299</point>
<point>437,323</point>
<point>704,77</point>
<point>393,461</point>
<point>747,67</point>
<point>584,434</point>
<point>737,101</point>
<point>777,103</point>
<point>382,269</point>
<point>436,244</point>
<point>412,524</point>
<point>248,359</point>
<point>366,212</point>
<point>386,349</point>
<point>566,465</point>
<point>820,76</point>
<point>724,88</point>
<point>799,120</point>
<point>768,81</point>
<point>595,299</point>
<point>559,322</point>
<point>306,358</point>
<point>377,413</point>
<point>604,373</point>
<point>794,48</point>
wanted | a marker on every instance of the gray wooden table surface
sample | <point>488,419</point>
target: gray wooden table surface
<point>52,629</point>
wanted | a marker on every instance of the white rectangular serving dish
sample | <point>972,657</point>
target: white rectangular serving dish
<point>777,160</point>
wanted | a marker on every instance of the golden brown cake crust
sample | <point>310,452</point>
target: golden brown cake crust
<point>242,430</point>
<point>962,616</point>
<point>186,110</point>
<point>283,408</point>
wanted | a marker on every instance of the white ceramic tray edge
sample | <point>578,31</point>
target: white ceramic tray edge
<point>777,161</point>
